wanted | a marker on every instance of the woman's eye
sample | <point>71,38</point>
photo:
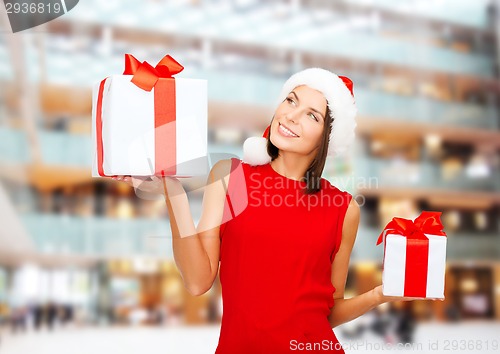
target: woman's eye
<point>289,100</point>
<point>313,116</point>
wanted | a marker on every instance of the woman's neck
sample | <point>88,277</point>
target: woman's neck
<point>291,165</point>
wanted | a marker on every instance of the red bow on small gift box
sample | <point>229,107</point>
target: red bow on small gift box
<point>417,248</point>
<point>428,222</point>
<point>145,76</point>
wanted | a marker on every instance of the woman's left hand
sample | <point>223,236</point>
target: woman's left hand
<point>385,298</point>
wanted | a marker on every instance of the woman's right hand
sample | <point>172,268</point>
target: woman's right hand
<point>143,183</point>
<point>153,184</point>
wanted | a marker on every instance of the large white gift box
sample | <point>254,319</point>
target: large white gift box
<point>146,122</point>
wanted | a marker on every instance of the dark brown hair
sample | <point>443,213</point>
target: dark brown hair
<point>313,173</point>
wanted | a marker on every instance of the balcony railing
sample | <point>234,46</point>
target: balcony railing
<point>399,173</point>
<point>262,90</point>
<point>106,237</point>
<point>260,29</point>
<point>60,148</point>
<point>461,245</point>
<point>473,14</point>
<point>299,31</point>
<point>425,110</point>
<point>14,145</point>
<point>99,236</point>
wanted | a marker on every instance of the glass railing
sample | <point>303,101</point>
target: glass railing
<point>60,148</point>
<point>404,53</point>
<point>365,247</point>
<point>298,32</point>
<point>473,245</point>
<point>62,65</point>
<point>263,91</point>
<point>57,148</point>
<point>224,151</point>
<point>181,17</point>
<point>98,236</point>
<point>14,145</point>
<point>460,246</point>
<point>467,13</point>
<point>398,173</point>
<point>419,109</point>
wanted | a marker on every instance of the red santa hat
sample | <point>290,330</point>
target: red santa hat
<point>338,91</point>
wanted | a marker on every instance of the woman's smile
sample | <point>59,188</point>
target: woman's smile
<point>284,131</point>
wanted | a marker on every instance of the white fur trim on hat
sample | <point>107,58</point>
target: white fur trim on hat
<point>255,151</point>
<point>340,102</point>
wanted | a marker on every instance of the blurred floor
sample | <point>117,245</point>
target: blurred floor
<point>475,337</point>
<point>123,340</point>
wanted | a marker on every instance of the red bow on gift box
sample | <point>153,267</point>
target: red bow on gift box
<point>428,222</point>
<point>417,248</point>
<point>145,76</point>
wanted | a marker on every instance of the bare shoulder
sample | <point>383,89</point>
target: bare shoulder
<point>353,211</point>
<point>223,165</point>
<point>353,207</point>
<point>221,169</point>
<point>351,220</point>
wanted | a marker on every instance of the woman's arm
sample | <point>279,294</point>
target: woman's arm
<point>345,310</point>
<point>195,249</point>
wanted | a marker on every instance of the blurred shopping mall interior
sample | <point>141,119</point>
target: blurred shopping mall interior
<point>87,255</point>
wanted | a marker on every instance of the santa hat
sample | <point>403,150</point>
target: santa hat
<point>338,91</point>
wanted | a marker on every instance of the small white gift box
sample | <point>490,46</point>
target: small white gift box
<point>147,124</point>
<point>414,260</point>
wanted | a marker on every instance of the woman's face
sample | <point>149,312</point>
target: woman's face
<point>299,120</point>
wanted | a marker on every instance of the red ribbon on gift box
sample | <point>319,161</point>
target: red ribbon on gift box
<point>417,247</point>
<point>146,77</point>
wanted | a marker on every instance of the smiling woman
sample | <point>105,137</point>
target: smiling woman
<point>278,253</point>
<point>280,234</point>
<point>311,99</point>
<point>307,126</point>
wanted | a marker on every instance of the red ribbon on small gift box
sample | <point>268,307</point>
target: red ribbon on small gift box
<point>146,77</point>
<point>417,247</point>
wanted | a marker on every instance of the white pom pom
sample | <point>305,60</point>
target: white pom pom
<point>255,151</point>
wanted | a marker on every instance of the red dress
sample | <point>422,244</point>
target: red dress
<point>277,247</point>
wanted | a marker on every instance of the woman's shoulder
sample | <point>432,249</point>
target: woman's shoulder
<point>221,168</point>
<point>224,168</point>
